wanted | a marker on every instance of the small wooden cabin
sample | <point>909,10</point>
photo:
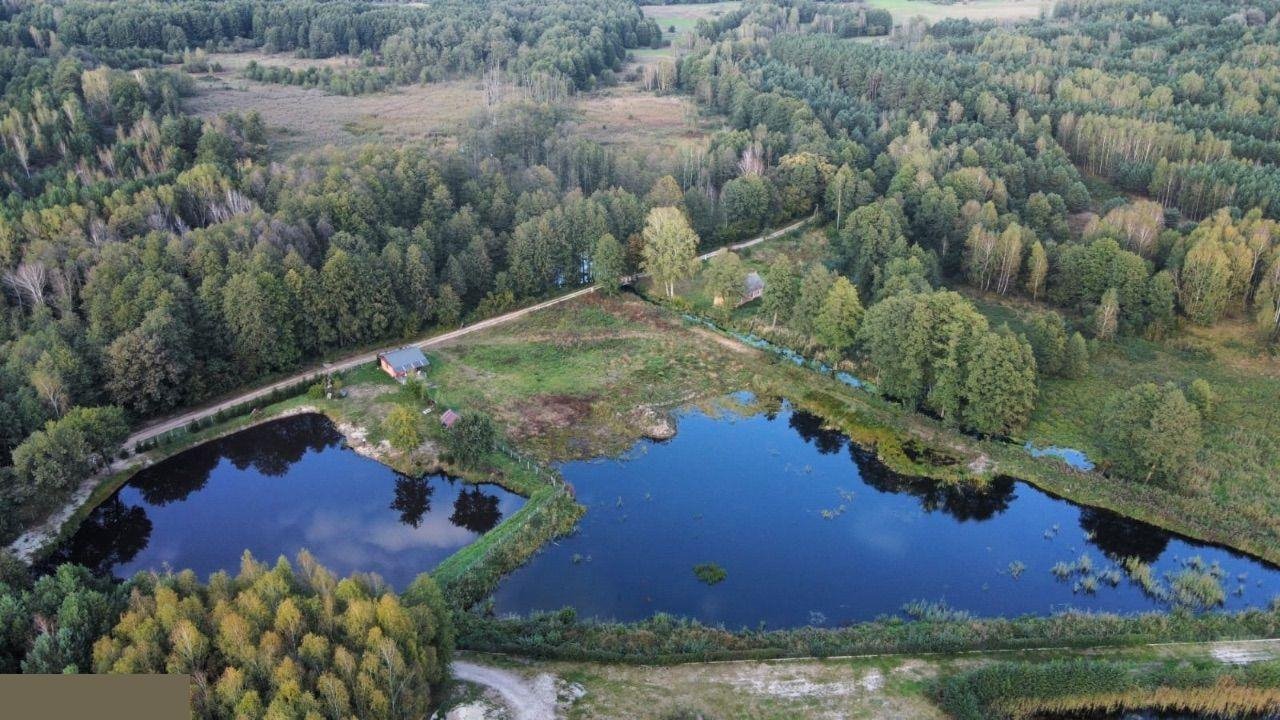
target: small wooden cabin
<point>403,362</point>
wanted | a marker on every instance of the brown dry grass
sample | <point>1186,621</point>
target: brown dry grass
<point>303,119</point>
<point>240,60</point>
<point>629,117</point>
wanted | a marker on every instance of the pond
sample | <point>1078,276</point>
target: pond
<point>275,489</point>
<point>809,529</point>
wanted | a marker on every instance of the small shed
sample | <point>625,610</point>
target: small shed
<point>752,288</point>
<point>449,418</point>
<point>400,363</point>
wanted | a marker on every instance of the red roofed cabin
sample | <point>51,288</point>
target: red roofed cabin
<point>401,363</point>
<point>449,418</point>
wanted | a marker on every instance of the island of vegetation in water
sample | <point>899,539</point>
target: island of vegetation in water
<point>1031,257</point>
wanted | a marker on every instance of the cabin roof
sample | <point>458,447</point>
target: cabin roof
<point>405,359</point>
<point>754,281</point>
<point>449,418</point>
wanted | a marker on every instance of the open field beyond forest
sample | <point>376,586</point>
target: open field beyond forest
<point>302,119</point>
<point>629,117</point>
<point>976,10</point>
<point>685,17</point>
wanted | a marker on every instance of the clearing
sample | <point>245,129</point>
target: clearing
<point>565,383</point>
<point>628,117</point>
<point>683,18</point>
<point>976,10</point>
<point>301,119</point>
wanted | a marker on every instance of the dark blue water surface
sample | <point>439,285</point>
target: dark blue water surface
<point>810,530</point>
<point>275,489</point>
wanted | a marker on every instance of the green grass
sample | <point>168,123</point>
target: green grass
<point>566,382</point>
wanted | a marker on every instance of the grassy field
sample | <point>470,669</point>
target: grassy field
<point>1235,484</point>
<point>627,117</point>
<point>683,18</point>
<point>302,119</point>
<point>574,381</point>
<point>976,10</point>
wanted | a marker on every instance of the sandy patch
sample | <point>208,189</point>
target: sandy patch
<point>725,342</point>
<point>783,682</point>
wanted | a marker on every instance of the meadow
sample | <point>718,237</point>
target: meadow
<point>684,18</point>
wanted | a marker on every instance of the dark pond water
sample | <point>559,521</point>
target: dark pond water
<point>808,529</point>
<point>278,488</point>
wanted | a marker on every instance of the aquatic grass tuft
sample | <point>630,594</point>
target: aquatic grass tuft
<point>1196,587</point>
<point>710,573</point>
<point>1140,573</point>
<point>934,611</point>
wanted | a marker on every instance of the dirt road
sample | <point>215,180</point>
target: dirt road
<point>528,699</point>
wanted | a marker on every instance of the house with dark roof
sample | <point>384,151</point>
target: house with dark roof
<point>403,362</point>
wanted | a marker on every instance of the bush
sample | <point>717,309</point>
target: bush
<point>1150,433</point>
<point>1201,394</point>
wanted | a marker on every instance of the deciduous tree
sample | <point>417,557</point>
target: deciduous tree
<point>670,248</point>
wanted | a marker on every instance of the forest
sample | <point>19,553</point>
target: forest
<point>1113,168</point>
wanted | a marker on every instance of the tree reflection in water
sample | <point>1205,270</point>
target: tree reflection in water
<point>1119,536</point>
<point>476,511</point>
<point>113,534</point>
<point>275,446</point>
<point>413,499</point>
<point>278,487</point>
<point>827,440</point>
<point>961,501</point>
